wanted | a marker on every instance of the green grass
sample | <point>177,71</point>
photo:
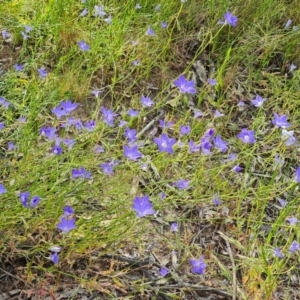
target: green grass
<point>252,58</point>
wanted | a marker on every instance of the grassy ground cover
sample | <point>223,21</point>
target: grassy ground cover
<point>149,150</point>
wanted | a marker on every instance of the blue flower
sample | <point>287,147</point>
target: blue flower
<point>164,143</point>
<point>80,173</point>
<point>83,46</point>
<point>132,152</point>
<point>198,266</point>
<point>2,189</point>
<point>182,184</point>
<point>220,144</point>
<point>54,257</point>
<point>163,271</point>
<point>280,121</point>
<point>258,101</point>
<point>150,32</point>
<point>185,86</point>
<point>42,72</point>
<point>142,206</point>
<point>66,224</point>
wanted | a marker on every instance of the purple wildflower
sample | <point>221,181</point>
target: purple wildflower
<point>292,220</point>
<point>237,169</point>
<point>22,119</point>
<point>59,111</point>
<point>107,168</point>
<point>132,113</point>
<point>150,32</point>
<point>68,211</point>
<point>163,271</point>
<point>69,143</point>
<point>230,19</point>
<point>294,247</point>
<point>5,34</point>
<point>80,173</point>
<point>35,200</point>
<point>2,125</point>
<point>24,197</point>
<point>216,201</point>
<point>193,147</point>
<point>163,25</point>
<point>42,73</point>
<point>198,113</point>
<point>54,257</point>
<point>164,143</point>
<point>220,144</point>
<point>83,46</point>
<point>11,146</point>
<point>146,101</point>
<point>232,156</point>
<point>288,23</point>
<point>108,116</point>
<point>122,123</point>
<point>209,133</point>
<point>247,136</point>
<point>130,134</point>
<point>18,67</point>
<point>182,184</point>
<point>212,82</point>
<point>185,86</point>
<point>241,104</point>
<point>136,62</point>
<point>282,202</point>
<point>258,101</point>
<point>142,206</point>
<point>205,146</point>
<point>185,129</point>
<point>90,125</point>
<point>277,253</point>
<point>68,106</point>
<point>174,227</point>
<point>99,11</point>
<point>2,189</point>
<point>4,102</point>
<point>66,224</point>
<point>71,121</point>
<point>49,132</point>
<point>280,121</point>
<point>198,266</point>
<point>297,174</point>
<point>57,150</point>
<point>132,152</point>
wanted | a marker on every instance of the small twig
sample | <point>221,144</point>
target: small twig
<point>234,281</point>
